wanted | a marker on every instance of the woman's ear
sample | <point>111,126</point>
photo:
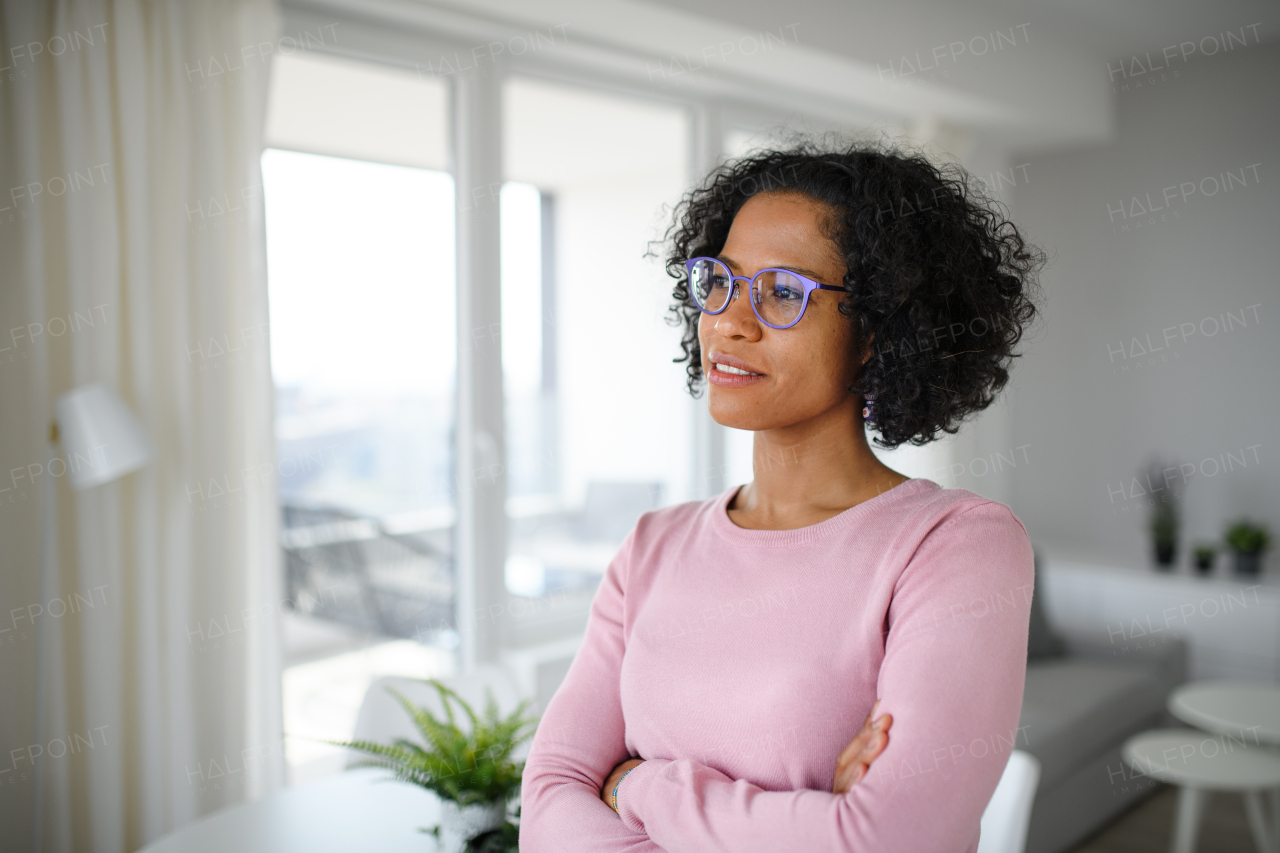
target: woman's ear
<point>868,348</point>
<point>864,347</point>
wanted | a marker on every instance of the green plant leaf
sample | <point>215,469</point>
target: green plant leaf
<point>465,766</point>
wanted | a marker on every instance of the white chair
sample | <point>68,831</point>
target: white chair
<point>382,719</point>
<point>1004,823</point>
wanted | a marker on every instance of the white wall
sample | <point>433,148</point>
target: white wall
<point>1092,411</point>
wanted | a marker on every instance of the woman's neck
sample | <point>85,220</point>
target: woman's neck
<point>808,472</point>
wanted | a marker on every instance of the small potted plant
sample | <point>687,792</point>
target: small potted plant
<point>471,770</point>
<point>1204,553</point>
<point>1248,541</point>
<point>1163,522</point>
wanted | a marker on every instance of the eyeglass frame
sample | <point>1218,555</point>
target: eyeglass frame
<point>809,287</point>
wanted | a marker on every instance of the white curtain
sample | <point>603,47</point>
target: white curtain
<point>139,684</point>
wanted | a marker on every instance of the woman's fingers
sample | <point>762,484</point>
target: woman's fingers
<point>848,776</point>
<point>865,739</point>
<point>856,758</point>
<point>852,771</point>
<point>878,741</point>
<point>859,741</point>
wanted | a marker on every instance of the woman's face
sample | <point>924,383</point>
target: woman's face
<point>803,371</point>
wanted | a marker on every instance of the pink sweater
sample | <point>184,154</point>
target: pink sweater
<point>739,663</point>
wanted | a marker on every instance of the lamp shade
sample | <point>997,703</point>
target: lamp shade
<point>101,438</point>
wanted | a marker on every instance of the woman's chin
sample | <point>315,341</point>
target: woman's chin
<point>736,410</point>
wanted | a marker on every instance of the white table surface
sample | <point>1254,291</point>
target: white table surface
<point>352,811</point>
<point>1230,708</point>
<point>1197,759</point>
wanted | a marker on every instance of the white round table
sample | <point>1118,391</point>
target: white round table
<point>1245,710</point>
<point>1200,763</point>
<point>352,811</point>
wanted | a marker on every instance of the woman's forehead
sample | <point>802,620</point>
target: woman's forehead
<point>789,229</point>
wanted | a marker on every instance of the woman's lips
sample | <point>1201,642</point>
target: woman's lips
<point>729,379</point>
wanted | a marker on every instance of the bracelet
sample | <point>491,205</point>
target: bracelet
<point>615,788</point>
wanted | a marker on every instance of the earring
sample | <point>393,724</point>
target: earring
<point>866,409</point>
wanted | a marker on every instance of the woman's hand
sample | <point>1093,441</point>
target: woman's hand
<point>855,759</point>
<point>606,792</point>
<point>851,766</point>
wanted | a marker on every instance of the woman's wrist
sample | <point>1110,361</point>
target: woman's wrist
<point>610,791</point>
<point>613,798</point>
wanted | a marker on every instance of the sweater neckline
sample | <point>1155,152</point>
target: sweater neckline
<point>800,535</point>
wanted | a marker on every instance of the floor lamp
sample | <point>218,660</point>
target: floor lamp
<point>101,440</point>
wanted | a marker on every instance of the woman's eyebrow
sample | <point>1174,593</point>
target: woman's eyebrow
<point>807,273</point>
<point>729,262</point>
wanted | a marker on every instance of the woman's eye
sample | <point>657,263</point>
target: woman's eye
<point>784,293</point>
<point>719,281</point>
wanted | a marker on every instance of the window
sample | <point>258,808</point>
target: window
<point>528,355</point>
<point>362,295</point>
<point>362,282</point>
<point>598,421</point>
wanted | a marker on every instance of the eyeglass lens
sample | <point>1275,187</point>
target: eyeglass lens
<point>777,295</point>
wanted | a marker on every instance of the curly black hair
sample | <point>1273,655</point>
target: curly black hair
<point>939,281</point>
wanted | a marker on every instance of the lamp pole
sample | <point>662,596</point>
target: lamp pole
<point>47,562</point>
<point>103,441</point>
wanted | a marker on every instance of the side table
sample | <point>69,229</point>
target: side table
<point>1200,764</point>
<point>1248,710</point>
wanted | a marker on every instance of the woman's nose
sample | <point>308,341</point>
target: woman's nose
<point>738,320</point>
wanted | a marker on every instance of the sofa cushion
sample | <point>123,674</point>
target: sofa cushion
<point>1042,641</point>
<point>1074,709</point>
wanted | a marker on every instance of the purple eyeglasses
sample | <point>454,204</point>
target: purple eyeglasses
<point>778,296</point>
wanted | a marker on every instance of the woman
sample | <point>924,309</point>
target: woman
<point>724,695</point>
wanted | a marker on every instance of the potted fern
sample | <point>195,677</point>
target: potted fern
<point>472,771</point>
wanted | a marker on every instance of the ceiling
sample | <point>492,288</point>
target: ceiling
<point>1026,75</point>
<point>1103,29</point>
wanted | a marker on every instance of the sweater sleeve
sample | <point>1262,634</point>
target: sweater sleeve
<point>580,739</point>
<point>952,676</point>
